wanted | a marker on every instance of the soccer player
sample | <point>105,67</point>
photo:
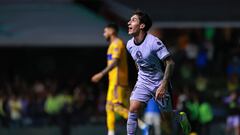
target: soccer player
<point>155,67</point>
<point>117,70</point>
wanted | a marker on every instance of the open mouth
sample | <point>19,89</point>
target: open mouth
<point>129,28</point>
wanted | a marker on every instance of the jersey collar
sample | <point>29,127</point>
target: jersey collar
<point>137,44</point>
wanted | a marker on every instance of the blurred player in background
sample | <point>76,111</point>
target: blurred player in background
<point>152,116</point>
<point>155,67</point>
<point>117,70</point>
<point>233,120</point>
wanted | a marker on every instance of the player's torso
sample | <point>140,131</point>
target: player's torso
<point>149,65</point>
<point>144,58</point>
<point>119,74</point>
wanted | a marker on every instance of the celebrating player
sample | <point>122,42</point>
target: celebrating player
<point>155,68</point>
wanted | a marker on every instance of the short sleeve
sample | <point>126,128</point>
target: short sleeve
<point>128,46</point>
<point>116,50</point>
<point>160,49</point>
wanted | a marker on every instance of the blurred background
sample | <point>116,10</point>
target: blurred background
<point>49,49</point>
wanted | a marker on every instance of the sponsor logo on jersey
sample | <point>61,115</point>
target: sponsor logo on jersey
<point>159,43</point>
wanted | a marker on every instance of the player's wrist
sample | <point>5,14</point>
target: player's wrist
<point>164,81</point>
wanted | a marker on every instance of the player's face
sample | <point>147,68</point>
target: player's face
<point>134,25</point>
<point>107,33</point>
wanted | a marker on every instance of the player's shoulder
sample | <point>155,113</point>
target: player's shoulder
<point>119,40</point>
<point>156,44</point>
<point>117,43</point>
<point>154,40</point>
<point>130,43</point>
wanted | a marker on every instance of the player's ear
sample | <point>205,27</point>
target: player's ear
<point>142,26</point>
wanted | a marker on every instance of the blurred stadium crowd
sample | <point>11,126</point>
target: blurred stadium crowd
<point>206,79</point>
<point>206,85</point>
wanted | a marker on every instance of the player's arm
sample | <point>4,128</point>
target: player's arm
<point>97,77</point>
<point>169,66</point>
<point>163,54</point>
<point>116,54</point>
<point>110,67</point>
<point>136,66</point>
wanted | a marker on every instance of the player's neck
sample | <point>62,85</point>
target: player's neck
<point>139,38</point>
<point>113,38</point>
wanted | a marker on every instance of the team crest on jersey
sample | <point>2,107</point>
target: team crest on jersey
<point>139,55</point>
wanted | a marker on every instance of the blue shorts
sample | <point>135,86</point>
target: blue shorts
<point>144,94</point>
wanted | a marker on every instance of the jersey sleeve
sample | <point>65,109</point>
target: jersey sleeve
<point>160,49</point>
<point>128,46</point>
<point>116,50</point>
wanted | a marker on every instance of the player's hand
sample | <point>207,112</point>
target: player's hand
<point>161,91</point>
<point>97,77</point>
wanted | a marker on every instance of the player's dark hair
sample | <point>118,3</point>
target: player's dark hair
<point>144,18</point>
<point>113,26</point>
